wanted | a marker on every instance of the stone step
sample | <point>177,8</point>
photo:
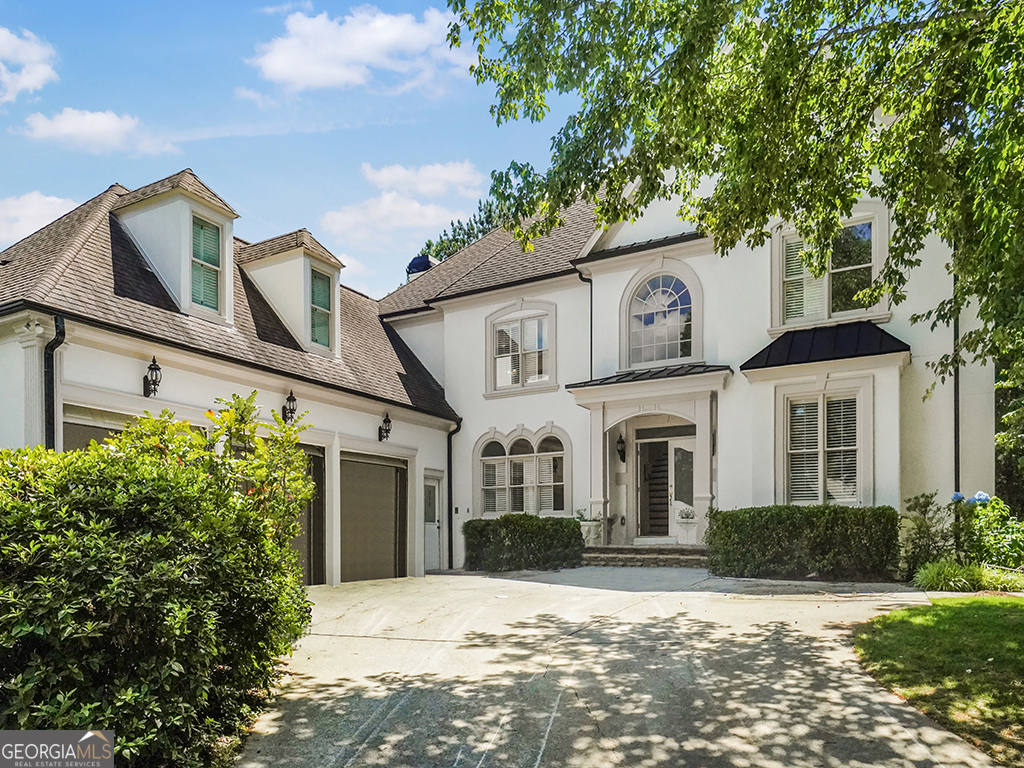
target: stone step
<point>645,557</point>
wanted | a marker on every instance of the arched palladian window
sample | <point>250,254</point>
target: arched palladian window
<point>529,477</point>
<point>661,321</point>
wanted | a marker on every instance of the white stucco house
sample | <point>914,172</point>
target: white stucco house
<point>628,375</point>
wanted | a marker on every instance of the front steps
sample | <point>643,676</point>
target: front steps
<point>664,556</point>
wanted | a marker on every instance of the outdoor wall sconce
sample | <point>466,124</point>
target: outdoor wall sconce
<point>620,447</point>
<point>384,430</point>
<point>151,381</point>
<point>288,409</point>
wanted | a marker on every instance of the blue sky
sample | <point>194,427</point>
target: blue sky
<point>354,121</point>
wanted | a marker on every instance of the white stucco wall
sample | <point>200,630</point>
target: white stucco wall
<point>465,359</point>
<point>104,372</point>
<point>12,392</point>
<point>424,333</point>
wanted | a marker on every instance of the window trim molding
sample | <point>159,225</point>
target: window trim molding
<point>873,211</point>
<point>663,265</point>
<point>826,385</point>
<point>536,308</point>
<point>506,440</point>
<point>309,266</point>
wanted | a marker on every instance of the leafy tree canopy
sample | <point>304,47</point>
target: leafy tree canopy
<point>460,234</point>
<point>796,108</point>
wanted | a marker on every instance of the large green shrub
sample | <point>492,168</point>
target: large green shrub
<point>980,529</point>
<point>787,541</point>
<point>147,585</point>
<point>522,542</point>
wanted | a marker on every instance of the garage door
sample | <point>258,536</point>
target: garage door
<point>310,541</point>
<point>373,518</point>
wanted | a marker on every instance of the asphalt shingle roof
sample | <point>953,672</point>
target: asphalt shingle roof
<point>86,267</point>
<point>834,342</point>
<point>496,261</point>
<point>301,238</point>
<point>185,180</point>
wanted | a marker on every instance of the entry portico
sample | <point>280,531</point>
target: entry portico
<point>653,472</point>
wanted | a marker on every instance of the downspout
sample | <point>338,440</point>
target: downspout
<point>49,383</point>
<point>956,399</point>
<point>590,282</point>
<point>451,515</point>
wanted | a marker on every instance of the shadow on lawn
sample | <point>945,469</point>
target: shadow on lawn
<point>668,691</point>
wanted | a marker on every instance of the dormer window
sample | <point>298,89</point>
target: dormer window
<point>206,264</point>
<point>320,308</point>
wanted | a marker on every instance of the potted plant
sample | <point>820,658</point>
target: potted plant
<point>687,525</point>
<point>591,529</point>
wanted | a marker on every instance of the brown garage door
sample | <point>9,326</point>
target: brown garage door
<point>373,518</point>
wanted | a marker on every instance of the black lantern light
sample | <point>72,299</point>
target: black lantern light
<point>384,430</point>
<point>288,409</point>
<point>620,447</point>
<point>151,381</point>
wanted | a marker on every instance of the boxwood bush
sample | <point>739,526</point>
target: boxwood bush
<point>522,542</point>
<point>788,541</point>
<point>147,585</point>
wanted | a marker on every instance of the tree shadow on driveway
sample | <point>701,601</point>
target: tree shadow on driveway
<point>663,690</point>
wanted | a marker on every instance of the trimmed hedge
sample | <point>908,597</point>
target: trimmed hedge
<point>522,542</point>
<point>141,590</point>
<point>788,541</point>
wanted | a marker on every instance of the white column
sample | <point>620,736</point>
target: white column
<point>32,337</point>
<point>702,494</point>
<point>332,510</point>
<point>598,497</point>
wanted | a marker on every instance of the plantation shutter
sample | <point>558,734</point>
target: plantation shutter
<point>803,294</point>
<point>841,450</point>
<point>804,456</point>
<point>545,480</point>
<point>530,486</point>
<point>320,312</point>
<point>495,492</point>
<point>205,264</point>
<point>506,352</point>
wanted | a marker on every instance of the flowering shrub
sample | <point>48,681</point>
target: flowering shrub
<point>147,585</point>
<point>979,529</point>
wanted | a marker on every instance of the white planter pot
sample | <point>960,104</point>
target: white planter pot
<point>687,532</point>
<point>592,533</point>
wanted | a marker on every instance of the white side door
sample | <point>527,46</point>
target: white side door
<point>680,481</point>
<point>431,525</point>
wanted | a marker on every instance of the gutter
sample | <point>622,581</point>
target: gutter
<point>49,382</point>
<point>451,515</point>
<point>956,400</point>
<point>20,304</point>
<point>590,282</point>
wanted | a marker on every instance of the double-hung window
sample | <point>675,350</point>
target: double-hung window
<point>206,264</point>
<point>320,308</point>
<point>526,479</point>
<point>521,352</point>
<point>807,298</point>
<point>822,450</point>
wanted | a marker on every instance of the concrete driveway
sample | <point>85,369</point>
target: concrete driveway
<point>593,667</point>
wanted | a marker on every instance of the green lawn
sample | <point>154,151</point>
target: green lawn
<point>961,662</point>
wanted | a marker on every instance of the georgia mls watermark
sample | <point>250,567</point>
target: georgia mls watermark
<point>56,749</point>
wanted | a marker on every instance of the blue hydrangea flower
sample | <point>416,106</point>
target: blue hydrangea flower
<point>980,497</point>
<point>957,496</point>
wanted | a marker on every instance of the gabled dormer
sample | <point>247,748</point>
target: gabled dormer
<point>300,279</point>
<point>184,229</point>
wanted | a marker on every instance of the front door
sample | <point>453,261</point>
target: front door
<point>653,468</point>
<point>680,483</point>
<point>431,525</point>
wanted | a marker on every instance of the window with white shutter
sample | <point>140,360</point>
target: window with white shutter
<point>822,450</point>
<point>526,480</point>
<point>805,297</point>
<point>206,264</point>
<point>521,352</point>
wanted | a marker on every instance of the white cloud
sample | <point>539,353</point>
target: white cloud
<point>372,221</point>
<point>26,64</point>
<point>433,180</point>
<point>96,132</point>
<point>21,216</point>
<point>321,52</point>
<point>257,98</point>
<point>305,5</point>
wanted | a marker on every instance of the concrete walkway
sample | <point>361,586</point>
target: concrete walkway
<point>593,667</point>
